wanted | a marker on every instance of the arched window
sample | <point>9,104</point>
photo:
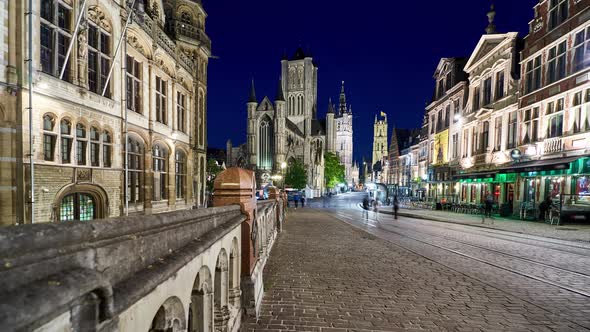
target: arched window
<point>99,58</point>
<point>94,146</point>
<point>49,137</point>
<point>135,170</point>
<point>77,206</point>
<point>66,141</point>
<point>81,143</point>
<point>265,143</point>
<point>55,26</point>
<point>107,148</point>
<point>160,157</point>
<point>180,168</point>
<point>186,17</point>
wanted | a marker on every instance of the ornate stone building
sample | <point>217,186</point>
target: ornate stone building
<point>147,94</point>
<point>344,144</point>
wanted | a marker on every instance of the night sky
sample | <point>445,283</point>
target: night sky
<point>385,51</point>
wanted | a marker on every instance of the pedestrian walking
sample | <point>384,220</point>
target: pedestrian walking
<point>395,206</point>
<point>302,201</point>
<point>296,199</point>
<point>488,204</point>
<point>376,210</point>
<point>366,208</point>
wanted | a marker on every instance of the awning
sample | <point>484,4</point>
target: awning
<point>540,165</point>
<point>475,175</point>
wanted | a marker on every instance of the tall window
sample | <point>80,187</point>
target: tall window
<point>558,12</point>
<point>577,113</point>
<point>265,144</point>
<point>81,142</point>
<point>474,141</point>
<point>99,58</point>
<point>556,63</point>
<point>499,93</point>
<point>439,121</point>
<point>581,50</point>
<point>476,93</point>
<point>498,134</point>
<point>455,145</point>
<point>447,116</point>
<point>441,88</point>
<point>133,85</point>
<point>533,74</point>
<point>160,156</point>
<point>487,91</point>
<point>161,115</point>
<point>180,174</point>
<point>485,136</point>
<point>55,36</point>
<point>465,145</point>
<point>432,124</point>
<point>135,171</point>
<point>66,141</point>
<point>555,122</point>
<point>512,130</point>
<point>181,111</point>
<point>456,111</point>
<point>94,147</point>
<point>448,82</point>
<point>107,148</point>
<point>49,137</point>
<point>530,126</point>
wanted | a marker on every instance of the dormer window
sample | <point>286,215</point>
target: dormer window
<point>558,12</point>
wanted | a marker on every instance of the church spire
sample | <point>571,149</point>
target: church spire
<point>330,106</point>
<point>342,106</point>
<point>280,96</point>
<point>491,29</point>
<point>252,98</point>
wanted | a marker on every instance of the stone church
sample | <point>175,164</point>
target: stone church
<point>288,128</point>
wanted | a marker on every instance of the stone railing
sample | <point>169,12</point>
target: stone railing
<point>193,32</point>
<point>552,145</point>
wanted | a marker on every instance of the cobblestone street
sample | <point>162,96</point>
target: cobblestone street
<point>326,274</point>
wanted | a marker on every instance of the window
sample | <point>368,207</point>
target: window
<point>558,12</point>
<point>476,93</point>
<point>441,88</point>
<point>487,91</point>
<point>485,136</point>
<point>498,134</point>
<point>474,141</point>
<point>81,142</point>
<point>448,82</point>
<point>499,93</point>
<point>160,156</point>
<point>99,58</point>
<point>581,50</point>
<point>456,111</point>
<point>533,74</point>
<point>49,138</point>
<point>265,143</point>
<point>66,141</point>
<point>455,146</point>
<point>55,36</point>
<point>77,207</point>
<point>161,100</point>
<point>181,111</point>
<point>465,146</point>
<point>107,147</point>
<point>447,116</point>
<point>530,126</point>
<point>432,124</point>
<point>94,147</point>
<point>512,130</point>
<point>556,64</point>
<point>135,171</point>
<point>555,126</point>
<point>180,174</point>
<point>133,85</point>
<point>439,121</point>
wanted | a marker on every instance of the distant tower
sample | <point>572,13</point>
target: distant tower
<point>380,138</point>
<point>344,135</point>
<point>252,104</point>
<point>330,128</point>
<point>280,136</point>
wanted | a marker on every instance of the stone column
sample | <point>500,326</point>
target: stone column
<point>236,186</point>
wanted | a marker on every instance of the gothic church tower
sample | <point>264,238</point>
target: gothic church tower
<point>380,138</point>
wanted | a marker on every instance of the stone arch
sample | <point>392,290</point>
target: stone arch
<point>138,135</point>
<point>200,316</point>
<point>234,273</point>
<point>170,317</point>
<point>165,63</point>
<point>96,192</point>
<point>182,11</point>
<point>220,293</point>
<point>135,39</point>
<point>100,17</point>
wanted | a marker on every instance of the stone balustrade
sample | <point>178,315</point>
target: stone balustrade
<point>552,145</point>
<point>193,270</point>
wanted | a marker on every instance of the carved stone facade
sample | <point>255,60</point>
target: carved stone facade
<point>151,90</point>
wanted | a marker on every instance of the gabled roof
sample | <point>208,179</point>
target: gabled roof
<point>265,105</point>
<point>299,54</point>
<point>487,45</point>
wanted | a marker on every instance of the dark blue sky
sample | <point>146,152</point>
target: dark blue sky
<point>385,51</point>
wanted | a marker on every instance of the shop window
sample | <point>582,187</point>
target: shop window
<point>160,155</point>
<point>66,141</point>
<point>55,35</point>
<point>49,137</point>
<point>78,206</point>
<point>81,144</point>
<point>581,50</point>
<point>583,185</point>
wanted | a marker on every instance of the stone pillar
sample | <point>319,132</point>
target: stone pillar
<point>237,186</point>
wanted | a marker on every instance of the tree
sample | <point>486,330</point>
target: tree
<point>296,176</point>
<point>213,169</point>
<point>333,170</point>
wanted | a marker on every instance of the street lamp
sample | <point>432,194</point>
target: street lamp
<point>283,167</point>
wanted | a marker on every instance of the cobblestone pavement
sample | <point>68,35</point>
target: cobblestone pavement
<point>326,274</point>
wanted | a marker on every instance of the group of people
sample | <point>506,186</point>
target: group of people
<point>298,198</point>
<point>374,204</point>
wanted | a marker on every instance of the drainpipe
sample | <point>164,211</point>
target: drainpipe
<point>30,78</point>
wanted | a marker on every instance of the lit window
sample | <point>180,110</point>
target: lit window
<point>55,36</point>
<point>49,138</point>
<point>99,58</point>
<point>66,141</point>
